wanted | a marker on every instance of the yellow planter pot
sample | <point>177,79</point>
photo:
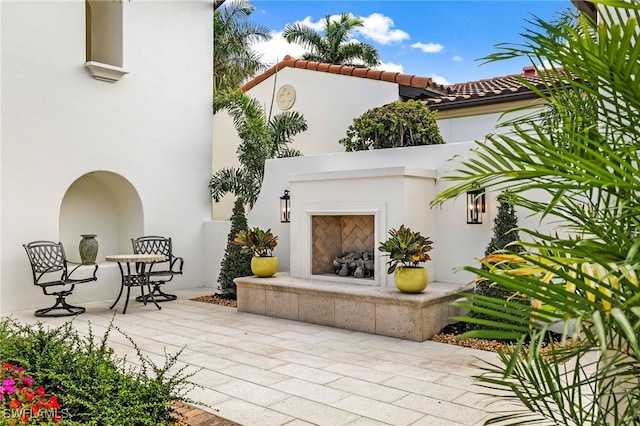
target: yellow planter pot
<point>411,279</point>
<point>264,267</point>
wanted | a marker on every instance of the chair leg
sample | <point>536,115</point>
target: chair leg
<point>126,301</point>
<point>60,309</point>
<point>149,295</point>
<point>118,298</point>
<point>157,294</point>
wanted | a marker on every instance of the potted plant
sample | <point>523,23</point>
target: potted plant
<point>261,244</point>
<point>406,250</point>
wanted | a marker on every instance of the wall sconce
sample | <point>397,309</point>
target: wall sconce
<point>285,207</point>
<point>475,206</point>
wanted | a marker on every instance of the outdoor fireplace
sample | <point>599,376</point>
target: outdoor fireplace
<point>343,245</point>
<point>337,214</point>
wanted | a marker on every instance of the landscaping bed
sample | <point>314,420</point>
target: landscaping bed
<point>55,375</point>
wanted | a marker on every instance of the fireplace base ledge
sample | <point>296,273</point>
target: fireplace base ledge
<point>375,310</point>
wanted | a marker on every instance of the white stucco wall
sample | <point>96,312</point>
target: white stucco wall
<point>474,123</point>
<point>470,128</point>
<point>329,103</point>
<point>456,243</point>
<point>153,128</point>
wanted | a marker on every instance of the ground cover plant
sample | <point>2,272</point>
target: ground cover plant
<point>81,381</point>
<point>579,156</point>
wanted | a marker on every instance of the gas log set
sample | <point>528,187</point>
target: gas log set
<point>356,264</point>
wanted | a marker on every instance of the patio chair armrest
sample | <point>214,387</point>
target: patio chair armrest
<point>176,261</point>
<point>92,277</point>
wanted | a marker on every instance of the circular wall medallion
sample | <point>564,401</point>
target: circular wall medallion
<point>286,97</point>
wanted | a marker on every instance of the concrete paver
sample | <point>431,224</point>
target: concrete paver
<point>258,370</point>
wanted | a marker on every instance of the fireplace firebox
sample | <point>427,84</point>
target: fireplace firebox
<point>343,245</point>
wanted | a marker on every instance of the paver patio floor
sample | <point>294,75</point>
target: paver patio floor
<point>262,371</point>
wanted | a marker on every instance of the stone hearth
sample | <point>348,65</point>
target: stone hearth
<point>376,310</point>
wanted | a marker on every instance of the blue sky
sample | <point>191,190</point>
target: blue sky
<point>440,39</point>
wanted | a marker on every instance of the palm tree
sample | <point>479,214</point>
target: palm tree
<point>582,153</point>
<point>233,34</point>
<point>262,137</point>
<point>334,47</point>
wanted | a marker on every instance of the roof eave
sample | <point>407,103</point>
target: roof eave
<point>421,93</point>
<point>475,102</point>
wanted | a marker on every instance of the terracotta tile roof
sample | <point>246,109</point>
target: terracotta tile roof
<point>438,97</point>
<point>492,90</point>
<point>407,80</point>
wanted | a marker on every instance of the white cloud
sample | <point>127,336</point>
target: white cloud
<point>318,25</point>
<point>390,66</point>
<point>438,79</point>
<point>378,28</point>
<point>457,58</point>
<point>428,47</point>
<point>546,65</point>
<point>274,50</point>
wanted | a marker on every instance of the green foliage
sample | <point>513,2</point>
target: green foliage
<point>93,385</point>
<point>505,239</point>
<point>505,229</point>
<point>259,242</point>
<point>581,155</point>
<point>233,36</point>
<point>235,263</point>
<point>394,125</point>
<point>405,248</point>
<point>335,45</point>
<point>261,138</point>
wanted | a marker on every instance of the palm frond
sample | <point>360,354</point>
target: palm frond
<point>575,163</point>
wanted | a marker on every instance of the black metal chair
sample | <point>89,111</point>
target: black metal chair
<point>50,269</point>
<point>163,271</point>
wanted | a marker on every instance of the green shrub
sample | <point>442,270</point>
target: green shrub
<point>235,263</point>
<point>505,238</point>
<point>394,125</point>
<point>92,384</point>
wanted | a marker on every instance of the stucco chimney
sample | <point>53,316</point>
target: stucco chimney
<point>529,71</point>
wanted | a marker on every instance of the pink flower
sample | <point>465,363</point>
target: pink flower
<point>19,390</point>
<point>7,386</point>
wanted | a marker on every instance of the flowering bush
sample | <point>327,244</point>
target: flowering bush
<point>24,402</point>
<point>93,384</point>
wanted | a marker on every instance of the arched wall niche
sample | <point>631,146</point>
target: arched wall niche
<point>101,203</point>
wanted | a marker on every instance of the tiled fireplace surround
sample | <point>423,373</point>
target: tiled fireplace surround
<point>377,200</point>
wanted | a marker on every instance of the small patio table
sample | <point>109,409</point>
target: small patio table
<point>136,277</point>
